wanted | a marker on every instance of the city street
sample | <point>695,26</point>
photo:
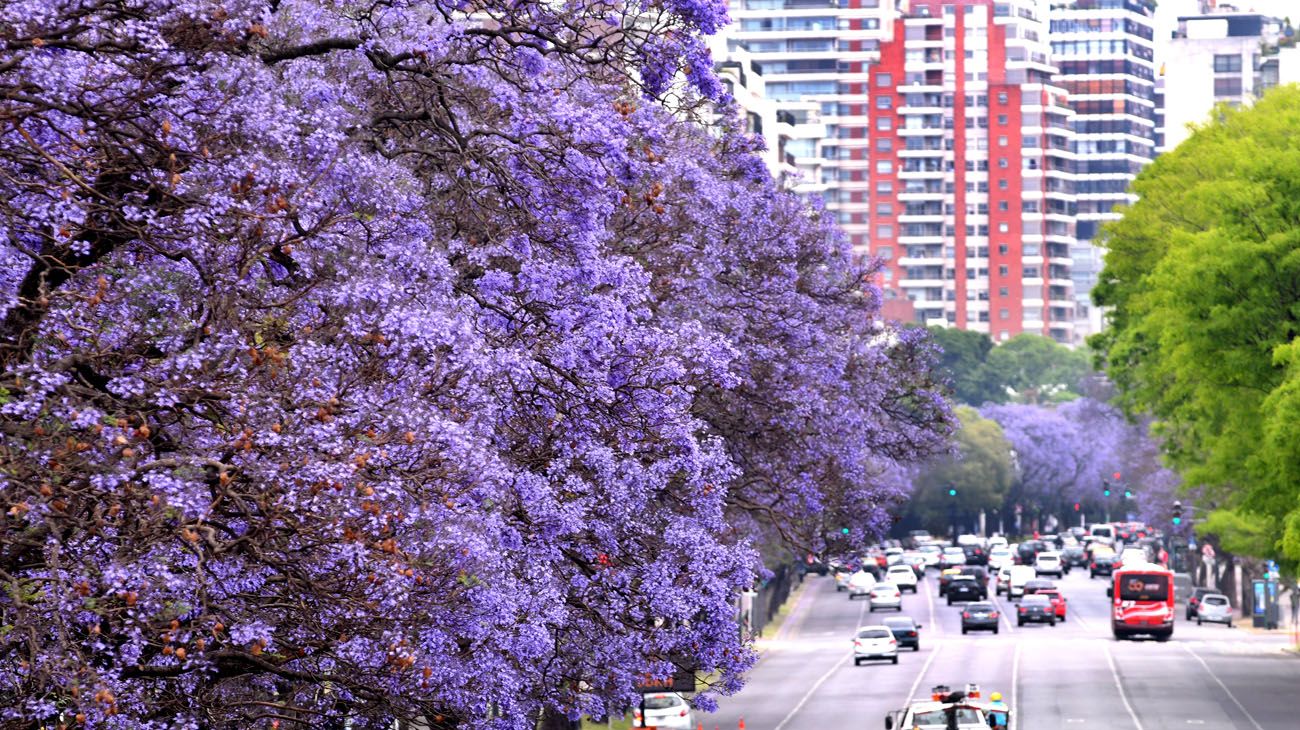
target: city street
<point>1072,676</point>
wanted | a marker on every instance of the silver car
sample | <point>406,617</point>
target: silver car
<point>1215,609</point>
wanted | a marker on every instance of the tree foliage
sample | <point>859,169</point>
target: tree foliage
<point>979,469</point>
<point>388,361</point>
<point>1201,280</point>
<point>1028,368</point>
<point>964,359</point>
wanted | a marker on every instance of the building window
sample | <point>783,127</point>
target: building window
<point>885,187</point>
<point>1003,291</point>
<point>884,208</point>
<point>885,232</point>
<point>1002,97</point>
<point>1002,119</point>
<point>886,253</point>
<point>1004,313</point>
<point>884,80</point>
<point>885,167</point>
<point>1002,248</point>
<point>1002,270</point>
<point>885,102</point>
<point>1002,205</point>
<point>1002,163</point>
<point>1002,184</point>
<point>1228,86</point>
<point>1002,140</point>
<point>1003,228</point>
<point>1227,63</point>
<point>885,144</point>
<point>884,124</point>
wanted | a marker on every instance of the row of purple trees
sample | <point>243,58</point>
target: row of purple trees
<point>1070,453</point>
<point>411,358</point>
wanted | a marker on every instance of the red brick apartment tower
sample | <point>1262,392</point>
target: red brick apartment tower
<point>972,173</point>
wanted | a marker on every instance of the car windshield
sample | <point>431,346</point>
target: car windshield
<point>980,607</point>
<point>1216,601</point>
<point>939,718</point>
<point>662,702</point>
<point>1143,587</point>
<point>874,634</point>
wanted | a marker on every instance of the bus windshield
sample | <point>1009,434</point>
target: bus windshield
<point>1143,586</point>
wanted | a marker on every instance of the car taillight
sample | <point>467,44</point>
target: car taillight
<point>965,614</point>
<point>893,641</point>
<point>1022,609</point>
<point>993,615</point>
<point>911,633</point>
<point>1094,565</point>
<point>682,713</point>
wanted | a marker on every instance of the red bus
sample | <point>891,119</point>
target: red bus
<point>1142,601</point>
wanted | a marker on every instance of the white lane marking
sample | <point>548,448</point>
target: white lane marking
<point>822,680</point>
<point>1015,690</point>
<point>929,598</point>
<point>1120,686</point>
<point>911,693</point>
<point>1226,691</point>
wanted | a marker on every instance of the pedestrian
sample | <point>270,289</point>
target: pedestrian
<point>998,712</point>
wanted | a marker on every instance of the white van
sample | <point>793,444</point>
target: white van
<point>1020,575</point>
<point>1104,533</point>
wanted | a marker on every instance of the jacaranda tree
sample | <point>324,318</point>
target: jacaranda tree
<point>405,359</point>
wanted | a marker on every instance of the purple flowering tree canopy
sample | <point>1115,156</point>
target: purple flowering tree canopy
<point>388,362</point>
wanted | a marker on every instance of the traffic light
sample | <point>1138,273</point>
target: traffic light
<point>952,492</point>
<point>1178,512</point>
<point>1076,506</point>
<point>844,530</point>
<point>1117,476</point>
<point>1128,494</point>
<point>1106,491</point>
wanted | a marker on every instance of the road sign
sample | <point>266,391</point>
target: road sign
<point>682,680</point>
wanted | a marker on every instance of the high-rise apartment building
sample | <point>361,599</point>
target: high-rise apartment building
<point>972,169</point>
<point>1221,56</point>
<point>814,57</point>
<point>1105,52</point>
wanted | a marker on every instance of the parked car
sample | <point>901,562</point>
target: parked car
<point>902,576</point>
<point>979,617</point>
<point>874,642</point>
<point>1194,600</point>
<point>1214,608</point>
<point>1035,609</point>
<point>906,631</point>
<point>666,710</point>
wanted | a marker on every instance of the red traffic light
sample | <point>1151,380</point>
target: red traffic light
<point>1116,475</point>
<point>1076,506</point>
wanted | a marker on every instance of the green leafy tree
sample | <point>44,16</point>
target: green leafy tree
<point>965,355</point>
<point>979,470</point>
<point>1039,369</point>
<point>1202,280</point>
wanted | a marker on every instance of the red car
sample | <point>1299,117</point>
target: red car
<point>1058,600</point>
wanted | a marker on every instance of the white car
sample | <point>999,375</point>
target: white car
<point>860,584</point>
<point>874,642</point>
<point>964,540</point>
<point>886,595</point>
<point>1049,562</point>
<point>999,557</point>
<point>1004,578</point>
<point>893,556</point>
<point>1019,576</point>
<point>902,576</point>
<point>952,557</point>
<point>666,710</point>
<point>916,560</point>
<point>997,541</point>
<point>931,552</point>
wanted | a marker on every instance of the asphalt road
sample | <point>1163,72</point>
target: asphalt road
<point>1072,676</point>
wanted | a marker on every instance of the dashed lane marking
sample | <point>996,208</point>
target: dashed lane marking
<point>1119,686</point>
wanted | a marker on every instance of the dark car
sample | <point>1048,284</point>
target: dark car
<point>964,588</point>
<point>976,555</point>
<point>1102,565</point>
<point>1194,600</point>
<point>906,631</point>
<point>1038,584</point>
<point>1035,608</point>
<point>979,617</point>
<point>1028,550</point>
<point>1073,556</point>
<point>980,575</point>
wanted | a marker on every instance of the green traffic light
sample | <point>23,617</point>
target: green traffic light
<point>1128,494</point>
<point>1178,520</point>
<point>844,530</point>
<point>1106,492</point>
<point>952,492</point>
